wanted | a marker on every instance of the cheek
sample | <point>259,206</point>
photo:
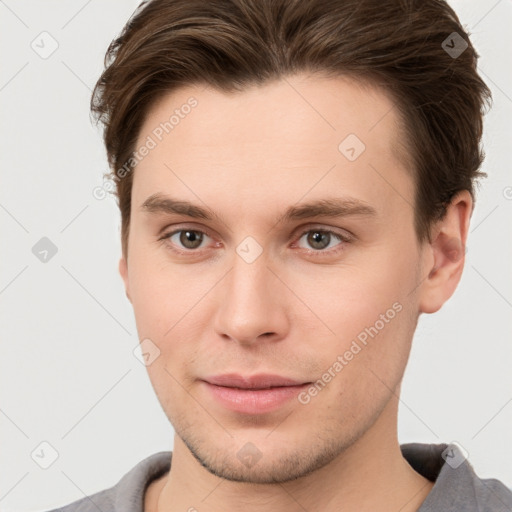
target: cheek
<point>344,301</point>
<point>159,296</point>
<point>368,318</point>
<point>150,306</point>
<point>166,305</point>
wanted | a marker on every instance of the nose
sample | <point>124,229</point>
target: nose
<point>253,304</point>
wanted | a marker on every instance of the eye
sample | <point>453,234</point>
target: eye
<point>320,239</point>
<point>189,239</point>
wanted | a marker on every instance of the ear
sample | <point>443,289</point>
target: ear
<point>123,270</point>
<point>445,254</point>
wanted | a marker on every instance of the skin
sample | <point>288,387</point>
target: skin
<point>248,156</point>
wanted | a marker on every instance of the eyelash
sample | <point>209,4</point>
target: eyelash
<point>344,239</point>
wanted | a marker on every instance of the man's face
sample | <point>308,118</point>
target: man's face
<point>259,294</point>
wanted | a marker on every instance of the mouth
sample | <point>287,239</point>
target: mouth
<point>257,394</point>
<point>259,381</point>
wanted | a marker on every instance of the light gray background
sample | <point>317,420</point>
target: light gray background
<point>68,373</point>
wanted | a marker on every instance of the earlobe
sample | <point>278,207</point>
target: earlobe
<point>123,271</point>
<point>448,251</point>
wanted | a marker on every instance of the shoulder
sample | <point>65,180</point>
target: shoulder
<point>492,495</point>
<point>103,500</point>
<point>127,495</point>
<point>456,484</point>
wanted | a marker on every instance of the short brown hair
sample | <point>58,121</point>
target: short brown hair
<point>401,45</point>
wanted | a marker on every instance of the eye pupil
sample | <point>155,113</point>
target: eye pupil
<point>188,236</point>
<point>315,239</point>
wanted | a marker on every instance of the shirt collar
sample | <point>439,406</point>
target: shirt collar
<point>456,486</point>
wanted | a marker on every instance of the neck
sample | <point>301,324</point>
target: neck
<point>369,475</point>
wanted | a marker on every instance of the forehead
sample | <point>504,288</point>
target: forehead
<point>279,141</point>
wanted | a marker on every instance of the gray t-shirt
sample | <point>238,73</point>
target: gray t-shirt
<point>456,487</point>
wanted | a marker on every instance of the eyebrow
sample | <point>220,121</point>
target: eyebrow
<point>327,207</point>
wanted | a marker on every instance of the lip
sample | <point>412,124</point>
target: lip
<point>259,381</point>
<point>257,394</point>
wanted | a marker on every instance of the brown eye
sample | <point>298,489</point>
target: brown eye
<point>188,239</point>
<point>320,239</point>
<point>191,239</point>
